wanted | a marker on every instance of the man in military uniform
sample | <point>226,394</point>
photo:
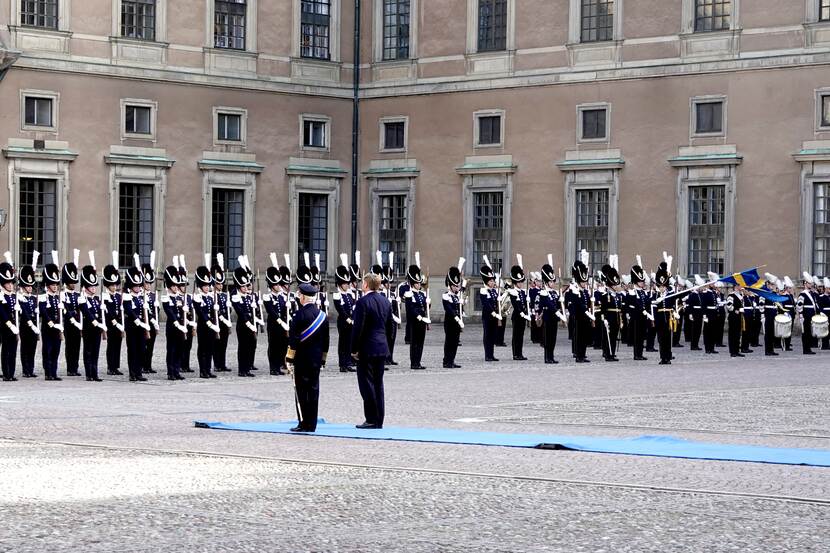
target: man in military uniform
<point>189,316</point>
<point>748,318</point>
<point>737,324</point>
<point>550,310</point>
<point>72,315</point>
<point>491,316</point>
<point>639,310</point>
<point>29,327</point>
<point>321,301</point>
<point>665,311</point>
<point>207,319</point>
<point>695,313</point>
<point>9,319</point>
<point>308,347</point>
<point>344,304</point>
<point>610,310</point>
<point>521,308</point>
<point>453,323</point>
<point>94,326</point>
<point>276,304</point>
<point>533,290</point>
<point>176,327</point>
<point>388,281</point>
<point>149,270</point>
<point>136,321</point>
<point>51,318</point>
<point>581,308</point>
<point>823,302</point>
<point>114,315</point>
<point>417,309</point>
<point>807,307</point>
<point>770,310</point>
<point>245,306</point>
<point>223,300</point>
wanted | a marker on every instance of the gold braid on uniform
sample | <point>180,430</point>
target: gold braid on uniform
<point>289,355</point>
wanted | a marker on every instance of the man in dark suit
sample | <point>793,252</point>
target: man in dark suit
<point>308,347</point>
<point>370,349</point>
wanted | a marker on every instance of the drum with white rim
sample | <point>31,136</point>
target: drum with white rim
<point>820,325</point>
<point>783,325</point>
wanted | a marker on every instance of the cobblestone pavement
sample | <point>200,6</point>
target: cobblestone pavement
<point>119,466</point>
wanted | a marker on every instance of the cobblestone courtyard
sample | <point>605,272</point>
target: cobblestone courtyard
<point>119,466</point>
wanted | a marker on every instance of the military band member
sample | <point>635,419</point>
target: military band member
<point>749,317</point>
<point>223,300</point>
<point>207,318</point>
<point>709,306</point>
<point>9,319</point>
<point>695,313</point>
<point>417,309</point>
<point>823,302</point>
<point>521,308</point>
<point>245,305</point>
<point>344,304</point>
<point>453,323</point>
<point>639,310</point>
<point>610,309</point>
<point>395,304</point>
<point>189,315</point>
<point>789,308</point>
<point>651,330</point>
<point>533,290</point>
<point>581,308</point>
<point>680,308</point>
<point>72,315</point>
<point>721,319</point>
<point>308,346</point>
<point>806,307</point>
<point>136,321</point>
<point>175,329</point>
<point>665,313</point>
<point>491,316</point>
<point>770,310</point>
<point>149,270</point>
<point>549,310</point>
<point>596,298</point>
<point>51,318</point>
<point>322,300</point>
<point>29,317</point>
<point>113,315</point>
<point>737,324</point>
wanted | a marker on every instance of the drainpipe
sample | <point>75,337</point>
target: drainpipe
<point>355,121</point>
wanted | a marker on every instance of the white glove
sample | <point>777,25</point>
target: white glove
<point>425,321</point>
<point>525,316</point>
<point>283,324</point>
<point>648,315</point>
<point>180,327</point>
<point>141,325</point>
<point>185,308</point>
<point>226,322</point>
<point>607,325</point>
<point>706,318</point>
<point>251,326</point>
<point>497,316</point>
<point>691,317</point>
<point>76,324</point>
<point>14,329</point>
<point>213,327</point>
<point>289,367</point>
<point>460,322</point>
<point>118,326</point>
<point>99,324</point>
<point>216,307</point>
<point>59,327</point>
<point>591,315</point>
<point>562,316</point>
<point>677,315</point>
<point>349,321</point>
<point>155,324</point>
<point>36,330</point>
<point>396,319</point>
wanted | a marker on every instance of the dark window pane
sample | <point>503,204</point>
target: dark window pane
<point>707,243</point>
<point>593,123</point>
<point>825,109</point>
<point>824,10</point>
<point>138,19</point>
<point>708,117</point>
<point>137,119</point>
<point>229,127</point>
<point>592,226</point>
<point>821,229</point>
<point>37,222</point>
<point>38,111</point>
<point>392,232</point>
<point>489,130</point>
<point>394,135</point>
<point>312,226</point>
<point>488,228</point>
<point>229,24</point>
<point>135,222</point>
<point>597,20</point>
<point>314,134</point>
<point>395,29</point>
<point>39,13</point>
<point>227,228</point>
<point>712,15</point>
<point>315,26</point>
<point>492,25</point>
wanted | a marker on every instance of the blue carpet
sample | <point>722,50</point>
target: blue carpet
<point>657,446</point>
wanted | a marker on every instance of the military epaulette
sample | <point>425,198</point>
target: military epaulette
<point>407,294</point>
<point>544,293</point>
<point>42,297</point>
<point>484,291</point>
<point>81,299</point>
<point>513,292</point>
<point>236,298</point>
<point>446,297</point>
<point>197,298</point>
<point>336,296</point>
<point>127,296</point>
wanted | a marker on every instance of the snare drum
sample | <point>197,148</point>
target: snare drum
<point>783,326</point>
<point>820,326</point>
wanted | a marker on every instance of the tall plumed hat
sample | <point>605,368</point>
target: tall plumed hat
<point>517,272</point>
<point>69,274</point>
<point>218,269</point>
<point>486,270</point>
<point>272,274</point>
<point>637,273</point>
<point>111,276</point>
<point>455,275</point>
<point>343,275</point>
<point>27,272</point>
<point>242,274</point>
<point>51,272</point>
<point>579,270</point>
<point>303,273</point>
<point>413,274</point>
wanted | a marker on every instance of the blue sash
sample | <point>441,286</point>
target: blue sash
<point>315,326</point>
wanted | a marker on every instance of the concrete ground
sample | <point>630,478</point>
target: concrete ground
<point>119,466</point>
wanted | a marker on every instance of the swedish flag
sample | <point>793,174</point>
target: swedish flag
<point>752,282</point>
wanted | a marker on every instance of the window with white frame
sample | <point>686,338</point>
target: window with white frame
<point>39,110</point>
<point>138,19</point>
<point>708,116</point>
<point>488,228</point>
<point>138,119</point>
<point>314,132</point>
<point>392,229</point>
<point>597,20</point>
<point>393,134</point>
<point>135,221</point>
<point>489,128</point>
<point>37,217</point>
<point>823,110</point>
<point>492,25</point>
<point>712,15</point>
<point>592,224</point>
<point>39,13</point>
<point>593,123</point>
<point>824,15</point>
<point>707,235</point>
<point>227,226</point>
<point>313,226</point>
<point>821,228</point>
<point>230,126</point>
<point>229,24</point>
<point>396,28</point>
<point>315,29</point>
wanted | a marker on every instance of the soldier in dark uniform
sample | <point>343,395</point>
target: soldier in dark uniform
<point>355,277</point>
<point>92,312</point>
<point>308,347</point>
<point>789,308</point>
<point>403,288</point>
<point>223,300</point>
<point>417,309</point>
<point>72,315</point>
<point>175,328</point>
<point>521,308</point>
<point>207,319</point>
<point>9,319</point>
<point>453,323</point>
<point>749,316</point>
<point>136,321</point>
<point>610,310</point>
<point>114,315</point>
<point>824,307</point>
<point>322,301</point>
<point>737,324</point>
<point>639,310</point>
<point>491,316</point>
<point>806,306</point>
<point>369,348</point>
<point>680,308</point>
<point>596,300</point>
<point>665,313</point>
<point>581,309</point>
<point>189,316</point>
<point>770,310</point>
<point>532,297</point>
<point>550,310</point>
<point>29,327</point>
<point>245,306</point>
<point>694,315</point>
<point>149,270</point>
<point>651,330</point>
<point>51,318</point>
<point>721,319</point>
<point>395,304</point>
<point>343,304</point>
<point>709,307</point>
<point>276,304</point>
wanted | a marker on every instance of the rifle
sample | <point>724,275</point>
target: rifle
<point>429,303</point>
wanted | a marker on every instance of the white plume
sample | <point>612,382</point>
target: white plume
<point>220,259</point>
<point>176,262</point>
<point>344,259</point>
<point>307,259</point>
<point>713,276</point>
<point>486,261</point>
<point>184,265</point>
<point>379,257</point>
<point>317,260</point>
<point>826,282</point>
<point>76,256</point>
<point>668,263</point>
<point>807,276</point>
<point>816,281</point>
<point>153,259</point>
<point>287,259</point>
<point>273,257</point>
<point>519,261</point>
<point>461,262</point>
<point>207,260</point>
<point>788,282</point>
<point>392,261</point>
<point>92,258</point>
<point>779,285</point>
<point>35,257</point>
<point>137,261</point>
<point>55,258</point>
<point>418,259</point>
<point>357,258</point>
<point>247,263</point>
<point>769,277</point>
<point>639,260</point>
<point>8,256</point>
<point>115,259</point>
<point>585,257</point>
<point>241,261</point>
<point>699,280</point>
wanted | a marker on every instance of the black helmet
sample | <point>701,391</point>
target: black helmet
<point>89,276</point>
<point>26,277</point>
<point>548,274</point>
<point>51,274</point>
<point>69,274</point>
<point>285,276</point>
<point>241,276</point>
<point>6,271</point>
<point>662,275</point>
<point>486,270</point>
<point>579,271</point>
<point>111,276</point>
<point>609,275</point>
<point>343,275</point>
<point>171,276</point>
<point>134,277</point>
<point>517,274</point>
<point>273,276</point>
<point>304,275</point>
<point>413,275</point>
<point>454,277</point>
<point>203,276</point>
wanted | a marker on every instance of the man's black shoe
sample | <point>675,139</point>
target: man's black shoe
<point>141,379</point>
<point>300,428</point>
<point>367,425</point>
<point>738,355</point>
<point>171,377</point>
<point>520,358</point>
<point>664,363</point>
<point>57,378</point>
<point>641,358</point>
<point>491,359</point>
<point>247,374</point>
<point>149,371</point>
<point>772,353</point>
<point>351,369</point>
<point>417,367</point>
<point>454,366</point>
<point>695,349</point>
<point>809,353</point>
<point>211,375</point>
<point>344,369</point>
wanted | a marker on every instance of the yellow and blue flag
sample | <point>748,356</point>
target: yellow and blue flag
<point>752,282</point>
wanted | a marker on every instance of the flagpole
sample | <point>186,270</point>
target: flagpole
<point>692,289</point>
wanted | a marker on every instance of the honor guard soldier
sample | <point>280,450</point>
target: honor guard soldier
<point>709,322</point>
<point>175,329</point>
<point>695,313</point>
<point>356,276</point>
<point>149,270</point>
<point>136,320</point>
<point>344,304</point>
<point>72,315</point>
<point>549,310</point>
<point>639,310</point>
<point>823,307</point>
<point>521,308</point>
<point>51,318</point>
<point>29,319</point>
<point>737,324</point>
<point>596,298</point>
<point>651,330</point>
<point>223,300</point>
<point>308,347</point>
<point>113,314</point>
<point>403,288</point>
<point>189,315</point>
<point>277,306</point>
<point>789,308</point>
<point>388,282</point>
<point>244,303</point>
<point>207,318</point>
<point>9,319</point>
<point>533,290</point>
<point>680,308</point>
<point>749,316</point>
<point>610,309</point>
<point>581,308</point>
<point>453,323</point>
<point>665,313</point>
<point>770,310</point>
<point>491,316</point>
<point>92,312</point>
<point>807,307</point>
<point>417,309</point>
<point>322,300</point>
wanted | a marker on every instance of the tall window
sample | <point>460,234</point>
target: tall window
<point>315,29</point>
<point>313,226</point>
<point>229,24</point>
<point>38,222</point>
<point>707,242</point>
<point>138,19</point>
<point>39,13</point>
<point>821,229</point>
<point>592,226</point>
<point>492,25</point>
<point>597,20</point>
<point>228,224</point>
<point>488,228</point>
<point>712,15</point>
<point>394,135</point>
<point>395,29</point>
<point>392,231</point>
<point>135,222</point>
<point>824,10</point>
